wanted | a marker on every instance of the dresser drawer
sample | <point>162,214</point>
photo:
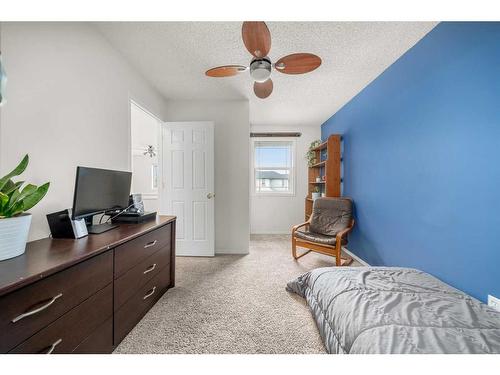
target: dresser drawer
<point>133,252</point>
<point>26,311</point>
<point>99,342</point>
<point>130,282</point>
<point>136,307</point>
<point>67,332</point>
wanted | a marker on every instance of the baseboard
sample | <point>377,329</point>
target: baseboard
<point>231,252</point>
<point>273,232</point>
<point>181,254</point>
<point>355,257</point>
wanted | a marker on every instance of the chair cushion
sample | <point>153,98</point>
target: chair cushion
<point>330,215</point>
<point>318,238</point>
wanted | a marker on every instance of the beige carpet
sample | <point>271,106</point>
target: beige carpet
<point>233,304</point>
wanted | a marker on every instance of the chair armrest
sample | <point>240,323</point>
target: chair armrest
<point>344,232</point>
<point>294,228</point>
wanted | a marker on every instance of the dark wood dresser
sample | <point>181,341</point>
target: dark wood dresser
<point>85,295</point>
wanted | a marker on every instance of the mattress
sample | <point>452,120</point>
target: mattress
<point>395,310</point>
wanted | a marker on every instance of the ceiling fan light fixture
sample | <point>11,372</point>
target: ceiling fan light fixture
<point>257,40</point>
<point>260,69</point>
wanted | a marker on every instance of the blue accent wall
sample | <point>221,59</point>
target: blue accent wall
<point>422,159</point>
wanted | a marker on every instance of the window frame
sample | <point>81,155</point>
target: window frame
<point>292,169</point>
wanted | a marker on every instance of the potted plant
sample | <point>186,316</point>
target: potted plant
<point>311,153</point>
<point>14,202</point>
<point>316,193</point>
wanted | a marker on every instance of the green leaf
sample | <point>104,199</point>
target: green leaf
<point>8,185</point>
<point>13,196</point>
<point>35,197</point>
<point>14,201</point>
<point>4,199</point>
<point>28,190</point>
<point>12,186</point>
<point>16,209</point>
<point>15,172</point>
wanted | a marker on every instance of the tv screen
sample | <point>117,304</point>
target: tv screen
<point>98,190</point>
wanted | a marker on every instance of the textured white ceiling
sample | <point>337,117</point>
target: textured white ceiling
<point>174,56</point>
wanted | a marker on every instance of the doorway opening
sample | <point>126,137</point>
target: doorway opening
<point>144,135</point>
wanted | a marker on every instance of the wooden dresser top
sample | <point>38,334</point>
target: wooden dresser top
<point>49,255</point>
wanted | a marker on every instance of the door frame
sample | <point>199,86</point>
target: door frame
<point>133,102</point>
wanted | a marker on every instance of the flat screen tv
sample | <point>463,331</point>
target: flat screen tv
<point>100,190</point>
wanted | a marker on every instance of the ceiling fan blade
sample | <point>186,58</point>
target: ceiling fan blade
<point>225,71</point>
<point>257,38</point>
<point>298,63</point>
<point>263,89</point>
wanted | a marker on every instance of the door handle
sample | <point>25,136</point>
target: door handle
<point>210,195</point>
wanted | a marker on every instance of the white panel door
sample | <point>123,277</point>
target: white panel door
<point>187,189</point>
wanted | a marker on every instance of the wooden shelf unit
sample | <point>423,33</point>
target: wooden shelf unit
<point>322,146</point>
<point>328,164</point>
<point>318,165</point>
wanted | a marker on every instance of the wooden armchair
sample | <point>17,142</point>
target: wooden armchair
<point>326,230</point>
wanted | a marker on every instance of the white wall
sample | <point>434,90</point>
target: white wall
<point>67,104</point>
<point>232,128</point>
<point>276,215</point>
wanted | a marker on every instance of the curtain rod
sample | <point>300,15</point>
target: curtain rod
<point>275,134</point>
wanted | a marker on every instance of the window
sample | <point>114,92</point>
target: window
<point>273,166</point>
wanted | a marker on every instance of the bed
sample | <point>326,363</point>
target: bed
<point>395,310</point>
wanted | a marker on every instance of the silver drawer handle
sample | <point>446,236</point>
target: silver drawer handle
<point>150,293</point>
<point>53,346</point>
<point>35,311</point>
<point>150,244</point>
<point>150,269</point>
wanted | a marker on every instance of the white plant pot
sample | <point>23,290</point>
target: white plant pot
<point>315,196</point>
<point>14,235</point>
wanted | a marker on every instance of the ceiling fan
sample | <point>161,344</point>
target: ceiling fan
<point>257,40</point>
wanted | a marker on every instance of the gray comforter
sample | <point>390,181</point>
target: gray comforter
<point>395,310</point>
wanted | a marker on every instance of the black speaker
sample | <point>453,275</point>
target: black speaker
<point>61,225</point>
